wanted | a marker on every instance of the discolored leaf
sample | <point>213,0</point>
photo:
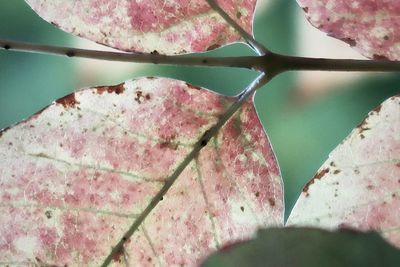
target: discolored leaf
<point>359,185</point>
<point>77,175</point>
<point>372,26</point>
<point>156,26</point>
<point>307,247</point>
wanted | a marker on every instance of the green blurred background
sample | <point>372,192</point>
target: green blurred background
<point>303,128</point>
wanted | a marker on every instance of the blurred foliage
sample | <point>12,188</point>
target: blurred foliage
<point>307,247</point>
<point>302,133</point>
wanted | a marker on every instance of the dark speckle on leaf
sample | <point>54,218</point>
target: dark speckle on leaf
<point>48,214</point>
<point>271,202</point>
<point>191,86</point>
<point>317,176</point>
<point>212,47</point>
<point>379,57</point>
<point>68,101</point>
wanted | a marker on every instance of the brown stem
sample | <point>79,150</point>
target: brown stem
<point>235,62</point>
<point>276,64</point>
<point>270,63</point>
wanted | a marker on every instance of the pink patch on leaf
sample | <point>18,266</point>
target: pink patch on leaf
<point>75,179</point>
<point>372,26</point>
<point>165,27</point>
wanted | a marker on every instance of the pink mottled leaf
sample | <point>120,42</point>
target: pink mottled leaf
<point>372,26</point>
<point>359,185</point>
<point>165,27</point>
<point>75,177</point>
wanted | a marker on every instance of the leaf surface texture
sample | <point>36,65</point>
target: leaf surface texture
<point>371,26</point>
<point>359,185</point>
<point>152,26</point>
<point>75,176</point>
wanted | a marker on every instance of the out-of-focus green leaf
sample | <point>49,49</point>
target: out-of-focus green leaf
<point>307,247</point>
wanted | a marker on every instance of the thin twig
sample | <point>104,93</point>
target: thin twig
<point>275,63</point>
<point>256,46</point>
<point>270,63</point>
<point>261,80</point>
<point>236,62</point>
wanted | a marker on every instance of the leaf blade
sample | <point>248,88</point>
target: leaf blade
<point>358,186</point>
<point>370,26</point>
<point>106,154</point>
<point>178,27</point>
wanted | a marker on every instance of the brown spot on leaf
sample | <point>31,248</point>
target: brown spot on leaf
<point>379,57</point>
<point>350,41</point>
<point>305,9</point>
<point>336,172</point>
<point>242,208</point>
<point>168,142</point>
<point>2,131</point>
<point>191,86</point>
<point>118,89</point>
<point>154,52</point>
<point>257,194</point>
<point>271,202</point>
<point>169,145</point>
<point>68,101</point>
<point>317,176</point>
<point>118,255</point>
<point>370,187</point>
<point>378,109</point>
<point>362,127</point>
<point>238,15</point>
<point>139,97</point>
<point>321,173</point>
<point>55,24</point>
<point>48,214</point>
<point>212,47</point>
<point>332,164</point>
